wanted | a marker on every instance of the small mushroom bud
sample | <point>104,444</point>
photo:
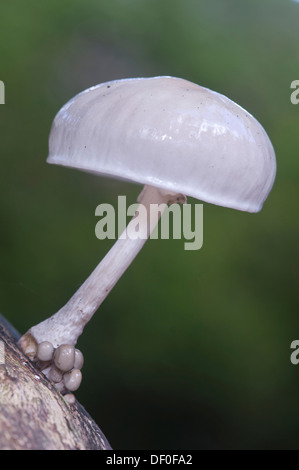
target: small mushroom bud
<point>29,346</point>
<point>60,387</point>
<point>55,374</point>
<point>79,359</point>
<point>72,379</point>
<point>64,357</point>
<point>70,398</point>
<point>45,351</point>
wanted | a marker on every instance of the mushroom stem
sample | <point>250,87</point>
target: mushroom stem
<point>65,326</point>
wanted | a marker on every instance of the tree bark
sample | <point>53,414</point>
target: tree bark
<point>33,414</point>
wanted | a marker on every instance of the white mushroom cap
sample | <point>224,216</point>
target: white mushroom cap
<point>169,133</point>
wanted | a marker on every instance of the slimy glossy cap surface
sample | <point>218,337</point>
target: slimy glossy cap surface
<point>72,380</point>
<point>170,133</point>
<point>64,357</point>
<point>45,351</point>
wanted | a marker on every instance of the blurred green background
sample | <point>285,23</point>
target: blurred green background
<point>191,350</point>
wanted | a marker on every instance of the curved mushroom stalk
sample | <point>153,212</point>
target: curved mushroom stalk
<point>65,326</point>
<point>162,131</point>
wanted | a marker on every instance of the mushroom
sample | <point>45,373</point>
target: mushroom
<point>64,357</point>
<point>45,351</point>
<point>173,136</point>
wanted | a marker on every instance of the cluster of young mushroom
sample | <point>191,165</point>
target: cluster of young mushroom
<point>175,137</point>
<point>62,365</point>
